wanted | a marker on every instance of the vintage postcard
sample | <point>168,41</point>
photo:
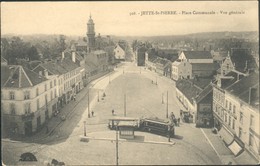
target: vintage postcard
<point>130,83</point>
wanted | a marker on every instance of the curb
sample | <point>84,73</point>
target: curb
<point>83,138</point>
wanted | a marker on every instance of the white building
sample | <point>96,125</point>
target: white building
<point>196,56</point>
<point>119,52</point>
<point>181,69</point>
<point>27,99</point>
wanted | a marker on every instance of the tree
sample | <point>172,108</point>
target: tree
<point>33,54</point>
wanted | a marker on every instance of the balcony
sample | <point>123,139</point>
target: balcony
<point>28,116</point>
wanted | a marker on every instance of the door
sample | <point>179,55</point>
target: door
<point>28,128</point>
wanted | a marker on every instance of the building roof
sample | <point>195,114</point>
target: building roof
<point>16,76</point>
<point>197,54</point>
<point>3,60</point>
<point>205,66</point>
<point>230,78</point>
<point>188,89</point>
<point>204,93</point>
<point>241,88</point>
<point>122,45</point>
<point>242,59</point>
<point>97,52</point>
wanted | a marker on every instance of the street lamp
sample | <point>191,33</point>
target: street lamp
<point>88,105</point>
<point>98,96</point>
<point>85,132</point>
<point>162,99</point>
<point>167,106</point>
<point>125,105</point>
<point>117,144</point>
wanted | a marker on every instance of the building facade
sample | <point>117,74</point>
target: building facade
<point>181,69</point>
<point>236,112</point>
<point>28,99</point>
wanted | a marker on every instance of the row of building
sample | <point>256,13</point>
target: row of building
<point>217,92</point>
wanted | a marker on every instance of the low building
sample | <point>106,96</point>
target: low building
<point>204,69</point>
<point>140,55</point>
<point>181,69</point>
<point>163,67</point>
<point>96,62</point>
<point>120,52</point>
<point>196,56</point>
<point>27,101</point>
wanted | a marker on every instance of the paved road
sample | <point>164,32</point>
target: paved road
<point>142,99</point>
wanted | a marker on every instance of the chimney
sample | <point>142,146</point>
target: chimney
<point>62,55</point>
<point>45,73</point>
<point>73,56</point>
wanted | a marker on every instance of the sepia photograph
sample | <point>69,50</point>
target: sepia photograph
<point>130,83</point>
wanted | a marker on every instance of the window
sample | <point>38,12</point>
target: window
<point>27,108</point>
<point>45,87</point>
<point>38,104</point>
<point>46,99</point>
<point>51,84</point>
<point>241,117</point>
<point>230,106</point>
<point>233,124</point>
<point>55,95</point>
<point>12,109</point>
<point>234,109</point>
<point>240,132</point>
<point>37,91</point>
<point>252,121</point>
<point>227,66</point>
<point>250,139</point>
<point>229,120</point>
<point>26,95</point>
<point>225,117</point>
<point>54,82</point>
<point>11,95</point>
<point>51,95</point>
<point>226,103</point>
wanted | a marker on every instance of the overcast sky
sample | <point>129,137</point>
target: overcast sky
<point>113,18</point>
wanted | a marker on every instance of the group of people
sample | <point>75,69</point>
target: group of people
<point>175,120</point>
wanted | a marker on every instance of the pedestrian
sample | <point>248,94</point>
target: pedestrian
<point>92,112</point>
<point>113,111</point>
<point>179,120</point>
<point>175,121</point>
<point>74,97</point>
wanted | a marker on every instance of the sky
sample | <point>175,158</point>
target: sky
<point>116,18</point>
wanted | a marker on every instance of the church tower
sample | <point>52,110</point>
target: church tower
<point>91,34</point>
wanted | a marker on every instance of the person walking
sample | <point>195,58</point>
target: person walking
<point>179,120</point>
<point>92,113</point>
<point>113,111</point>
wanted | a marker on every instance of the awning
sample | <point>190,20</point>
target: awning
<point>245,158</point>
<point>235,147</point>
<point>226,135</point>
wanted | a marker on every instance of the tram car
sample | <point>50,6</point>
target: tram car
<point>152,125</point>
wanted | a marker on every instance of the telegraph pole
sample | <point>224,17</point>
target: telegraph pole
<point>88,105</point>
<point>167,106</point>
<point>162,99</point>
<point>85,132</point>
<point>125,105</point>
<point>117,145</point>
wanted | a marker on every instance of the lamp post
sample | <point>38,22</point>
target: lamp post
<point>167,106</point>
<point>98,96</point>
<point>117,144</point>
<point>125,105</point>
<point>85,132</point>
<point>162,99</point>
<point>88,105</point>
